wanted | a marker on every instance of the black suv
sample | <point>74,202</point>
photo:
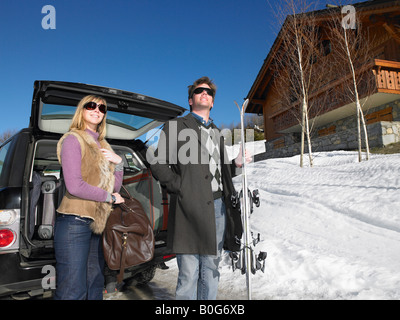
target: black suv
<point>31,186</point>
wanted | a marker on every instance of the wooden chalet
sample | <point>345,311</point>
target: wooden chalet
<point>381,19</point>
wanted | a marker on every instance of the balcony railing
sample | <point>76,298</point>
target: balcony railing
<point>384,78</point>
<point>387,75</point>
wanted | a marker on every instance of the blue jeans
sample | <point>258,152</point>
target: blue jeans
<point>79,259</point>
<point>198,274</point>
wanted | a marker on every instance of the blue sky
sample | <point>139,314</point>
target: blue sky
<point>152,47</point>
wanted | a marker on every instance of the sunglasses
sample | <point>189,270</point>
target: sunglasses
<point>199,90</point>
<point>93,105</point>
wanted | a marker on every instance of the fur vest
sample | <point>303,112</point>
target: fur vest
<point>97,171</point>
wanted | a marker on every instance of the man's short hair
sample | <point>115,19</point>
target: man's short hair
<point>205,80</point>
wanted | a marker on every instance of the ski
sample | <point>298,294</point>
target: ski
<point>246,260</point>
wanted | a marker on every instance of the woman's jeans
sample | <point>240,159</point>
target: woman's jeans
<point>79,260</point>
<point>198,274</point>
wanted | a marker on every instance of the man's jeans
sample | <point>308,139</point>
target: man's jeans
<point>79,260</point>
<point>198,274</point>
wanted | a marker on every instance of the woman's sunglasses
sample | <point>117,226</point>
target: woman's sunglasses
<point>93,105</point>
<point>199,90</point>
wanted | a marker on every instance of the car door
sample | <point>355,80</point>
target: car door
<point>129,115</point>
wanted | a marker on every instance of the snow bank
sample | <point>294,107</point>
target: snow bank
<point>331,231</point>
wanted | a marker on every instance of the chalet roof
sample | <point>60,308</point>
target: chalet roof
<point>365,9</point>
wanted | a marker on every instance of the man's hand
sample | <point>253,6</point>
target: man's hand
<point>239,160</point>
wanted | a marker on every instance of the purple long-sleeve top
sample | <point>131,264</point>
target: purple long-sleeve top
<point>71,165</point>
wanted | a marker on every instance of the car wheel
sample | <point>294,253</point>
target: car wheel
<point>145,276</point>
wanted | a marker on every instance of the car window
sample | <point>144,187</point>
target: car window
<point>45,160</point>
<point>132,162</point>
<point>3,153</point>
<point>57,118</point>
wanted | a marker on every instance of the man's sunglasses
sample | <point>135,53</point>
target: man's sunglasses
<point>93,105</point>
<point>199,90</point>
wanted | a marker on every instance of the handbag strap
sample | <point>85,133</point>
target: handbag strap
<point>126,191</point>
<point>120,276</point>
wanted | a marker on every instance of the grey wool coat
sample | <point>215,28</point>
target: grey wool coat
<point>178,165</point>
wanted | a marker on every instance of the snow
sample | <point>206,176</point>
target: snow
<point>331,231</point>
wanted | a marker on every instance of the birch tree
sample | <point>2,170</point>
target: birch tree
<point>352,48</point>
<point>295,65</point>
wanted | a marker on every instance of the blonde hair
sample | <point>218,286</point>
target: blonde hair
<point>79,123</point>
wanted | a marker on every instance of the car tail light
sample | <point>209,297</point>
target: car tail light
<point>9,229</point>
<point>170,256</point>
<point>7,238</point>
<point>8,217</point>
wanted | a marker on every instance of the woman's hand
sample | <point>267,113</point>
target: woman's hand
<point>118,198</point>
<point>111,156</point>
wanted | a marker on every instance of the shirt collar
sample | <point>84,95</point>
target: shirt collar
<point>201,119</point>
<point>95,135</point>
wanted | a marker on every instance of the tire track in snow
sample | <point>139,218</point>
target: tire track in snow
<point>312,202</point>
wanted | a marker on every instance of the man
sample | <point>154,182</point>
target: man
<point>192,163</point>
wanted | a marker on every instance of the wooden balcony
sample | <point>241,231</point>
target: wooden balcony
<point>384,77</point>
<point>387,75</point>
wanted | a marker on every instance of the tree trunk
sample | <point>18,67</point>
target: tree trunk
<point>358,104</point>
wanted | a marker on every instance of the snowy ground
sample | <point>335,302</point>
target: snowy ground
<point>331,231</point>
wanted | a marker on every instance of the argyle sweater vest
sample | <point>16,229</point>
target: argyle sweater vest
<point>210,140</point>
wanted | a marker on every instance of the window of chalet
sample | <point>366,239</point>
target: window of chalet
<point>326,47</point>
<point>381,115</point>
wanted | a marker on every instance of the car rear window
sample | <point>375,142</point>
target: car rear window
<point>57,118</point>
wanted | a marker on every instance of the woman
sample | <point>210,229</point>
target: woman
<point>93,176</point>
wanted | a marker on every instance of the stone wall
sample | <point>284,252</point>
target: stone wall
<point>345,137</point>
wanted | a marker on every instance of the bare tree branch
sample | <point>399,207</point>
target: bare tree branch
<point>353,49</point>
<point>297,75</point>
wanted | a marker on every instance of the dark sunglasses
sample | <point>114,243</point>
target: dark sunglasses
<point>199,90</point>
<point>93,105</point>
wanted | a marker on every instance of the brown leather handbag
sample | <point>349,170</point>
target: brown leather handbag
<point>128,238</point>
